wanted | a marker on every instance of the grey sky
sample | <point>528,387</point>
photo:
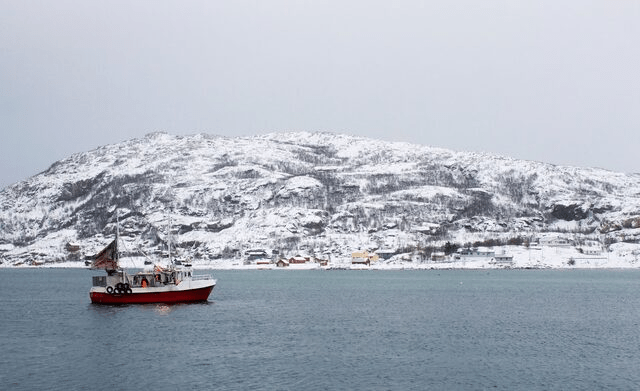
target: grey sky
<point>554,81</point>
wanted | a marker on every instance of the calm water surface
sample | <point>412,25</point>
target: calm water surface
<point>329,330</point>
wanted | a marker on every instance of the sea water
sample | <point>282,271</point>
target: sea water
<point>329,330</point>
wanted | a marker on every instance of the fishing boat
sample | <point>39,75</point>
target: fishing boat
<point>174,283</point>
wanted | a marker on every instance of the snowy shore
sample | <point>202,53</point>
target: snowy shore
<point>619,256</point>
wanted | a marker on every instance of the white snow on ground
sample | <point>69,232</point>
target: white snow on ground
<point>298,184</point>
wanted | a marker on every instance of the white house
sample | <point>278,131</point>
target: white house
<point>555,242</point>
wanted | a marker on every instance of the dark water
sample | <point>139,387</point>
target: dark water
<point>329,330</point>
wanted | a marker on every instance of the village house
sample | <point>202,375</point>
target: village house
<point>257,256</point>
<point>253,255</point>
<point>282,263</point>
<point>72,247</point>
<point>476,252</point>
<point>322,262</point>
<point>363,258</point>
<point>365,254</point>
<point>360,261</point>
<point>298,259</point>
<point>503,259</point>
<point>438,256</point>
<point>555,242</point>
<point>591,247</point>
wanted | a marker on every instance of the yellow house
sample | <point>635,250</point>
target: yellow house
<point>364,255</point>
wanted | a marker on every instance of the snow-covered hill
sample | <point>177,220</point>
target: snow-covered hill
<point>315,193</point>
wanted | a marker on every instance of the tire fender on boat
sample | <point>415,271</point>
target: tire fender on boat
<point>109,289</point>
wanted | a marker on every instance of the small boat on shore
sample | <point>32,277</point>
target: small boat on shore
<point>175,283</point>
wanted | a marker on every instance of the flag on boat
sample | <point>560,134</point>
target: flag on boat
<point>108,258</point>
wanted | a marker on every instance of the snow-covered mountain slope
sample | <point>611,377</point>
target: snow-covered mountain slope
<point>304,192</point>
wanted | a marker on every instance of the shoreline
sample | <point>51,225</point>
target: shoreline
<point>345,267</point>
<point>621,256</point>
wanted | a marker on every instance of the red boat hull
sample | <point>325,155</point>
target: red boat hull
<point>173,296</point>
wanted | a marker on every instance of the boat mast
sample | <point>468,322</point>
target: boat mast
<point>117,225</point>
<point>169,238</point>
<point>117,236</point>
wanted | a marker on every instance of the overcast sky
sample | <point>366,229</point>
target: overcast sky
<point>553,81</point>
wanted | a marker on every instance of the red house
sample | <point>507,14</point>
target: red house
<point>298,260</point>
